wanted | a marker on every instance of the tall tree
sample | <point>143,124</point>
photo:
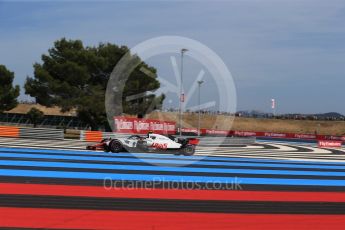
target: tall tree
<point>35,115</point>
<point>75,76</point>
<point>8,92</point>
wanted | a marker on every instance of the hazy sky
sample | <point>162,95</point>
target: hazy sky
<point>293,51</point>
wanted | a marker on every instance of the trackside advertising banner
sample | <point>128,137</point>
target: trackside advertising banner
<point>287,135</point>
<point>143,126</point>
<point>215,132</point>
<point>191,131</point>
<point>329,144</point>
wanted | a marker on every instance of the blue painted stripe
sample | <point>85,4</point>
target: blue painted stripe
<point>167,178</point>
<point>163,161</point>
<point>167,169</point>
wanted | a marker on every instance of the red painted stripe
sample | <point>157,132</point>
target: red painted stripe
<point>89,219</point>
<point>94,191</point>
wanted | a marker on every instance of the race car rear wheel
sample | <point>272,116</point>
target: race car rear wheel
<point>189,150</point>
<point>115,146</point>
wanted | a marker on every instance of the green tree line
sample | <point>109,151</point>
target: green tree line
<point>8,92</point>
<point>73,76</point>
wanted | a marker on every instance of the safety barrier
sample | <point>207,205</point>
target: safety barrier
<point>288,136</point>
<point>39,133</point>
<point>91,136</point>
<point>8,131</point>
<point>262,135</point>
<point>96,136</point>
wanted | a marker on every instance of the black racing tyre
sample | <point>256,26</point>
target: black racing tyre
<point>188,150</point>
<point>115,146</point>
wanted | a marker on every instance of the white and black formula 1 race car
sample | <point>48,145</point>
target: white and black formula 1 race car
<point>150,143</point>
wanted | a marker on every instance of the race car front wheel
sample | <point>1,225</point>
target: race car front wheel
<point>189,150</point>
<point>115,146</point>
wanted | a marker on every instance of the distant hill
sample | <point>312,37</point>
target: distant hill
<point>331,114</point>
<point>320,116</point>
<point>257,113</point>
<point>254,113</point>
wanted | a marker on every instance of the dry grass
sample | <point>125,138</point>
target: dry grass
<point>256,124</point>
<point>290,126</point>
<point>24,108</point>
